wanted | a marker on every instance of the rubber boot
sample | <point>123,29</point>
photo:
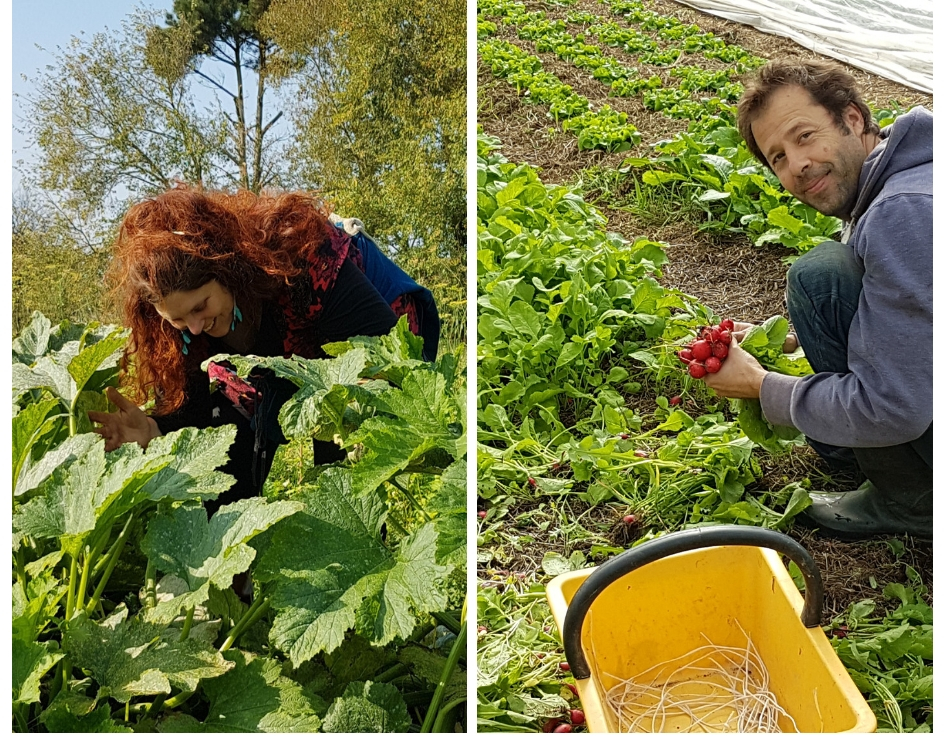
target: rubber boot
<point>896,499</point>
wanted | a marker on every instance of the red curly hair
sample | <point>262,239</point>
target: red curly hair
<point>253,245</point>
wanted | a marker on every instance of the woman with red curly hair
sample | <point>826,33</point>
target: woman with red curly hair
<point>200,272</point>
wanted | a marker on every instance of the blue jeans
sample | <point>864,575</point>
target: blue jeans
<point>823,292</point>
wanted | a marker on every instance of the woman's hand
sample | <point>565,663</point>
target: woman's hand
<point>128,424</point>
<point>740,376</point>
<point>740,329</point>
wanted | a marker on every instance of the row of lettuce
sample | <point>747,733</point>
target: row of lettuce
<point>706,167</point>
<point>124,618</point>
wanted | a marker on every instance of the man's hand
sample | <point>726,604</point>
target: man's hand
<point>740,329</point>
<point>127,425</point>
<point>740,377</point>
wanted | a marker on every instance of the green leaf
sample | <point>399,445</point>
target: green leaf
<point>138,658</point>
<point>34,473</point>
<point>29,427</point>
<point>74,712</point>
<point>428,665</point>
<point>194,454</point>
<point>448,505</point>
<point>392,356</point>
<point>301,416</point>
<point>33,340</point>
<point>255,696</point>
<point>425,416</point>
<point>36,604</point>
<point>781,217</point>
<point>555,564</point>
<point>713,194</point>
<point>333,572</point>
<point>775,439</point>
<point>95,489</point>
<point>30,662</point>
<point>368,707</point>
<point>570,352</point>
<point>98,356</point>
<point>183,543</point>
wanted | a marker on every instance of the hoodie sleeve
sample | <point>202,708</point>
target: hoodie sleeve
<point>886,398</point>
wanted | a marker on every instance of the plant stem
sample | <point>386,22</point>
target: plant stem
<point>71,593</point>
<point>150,585</point>
<point>174,702</point>
<point>156,705</point>
<point>20,568</point>
<point>448,620</point>
<point>84,581</point>
<point>410,497</point>
<point>112,560</point>
<point>397,526</point>
<point>451,661</point>
<point>391,674</point>
<point>252,614</point>
<point>441,717</point>
<point>188,622</point>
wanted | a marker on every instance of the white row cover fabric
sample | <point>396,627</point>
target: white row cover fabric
<point>892,38</point>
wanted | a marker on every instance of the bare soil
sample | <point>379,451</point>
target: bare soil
<point>727,273</point>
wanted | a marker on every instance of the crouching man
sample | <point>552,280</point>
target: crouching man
<point>862,310</point>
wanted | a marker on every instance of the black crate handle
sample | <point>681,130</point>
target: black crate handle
<point>675,543</point>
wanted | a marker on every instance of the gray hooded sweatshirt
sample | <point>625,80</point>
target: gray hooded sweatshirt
<point>886,398</point>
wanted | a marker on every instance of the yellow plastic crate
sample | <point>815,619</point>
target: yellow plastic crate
<point>663,599</point>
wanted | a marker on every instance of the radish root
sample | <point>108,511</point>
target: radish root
<point>713,688</point>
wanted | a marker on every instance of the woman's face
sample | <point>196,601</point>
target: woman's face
<point>207,309</point>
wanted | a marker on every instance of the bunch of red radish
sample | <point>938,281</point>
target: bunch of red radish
<point>707,353</point>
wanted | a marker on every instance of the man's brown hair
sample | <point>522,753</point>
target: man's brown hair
<point>827,83</point>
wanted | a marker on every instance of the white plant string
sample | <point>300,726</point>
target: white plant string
<point>716,688</point>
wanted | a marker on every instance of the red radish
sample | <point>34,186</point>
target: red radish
<point>550,725</point>
<point>624,436</point>
<point>726,337</point>
<point>685,355</point>
<point>640,453</point>
<point>675,400</point>
<point>563,728</point>
<point>532,482</point>
<point>720,350</point>
<point>697,370</point>
<point>629,519</point>
<point>701,349</point>
<point>577,717</point>
<point>540,654</point>
<point>573,688</point>
<point>713,365</point>
<point>715,333</point>
<point>727,324</point>
<point>564,667</point>
<point>482,514</point>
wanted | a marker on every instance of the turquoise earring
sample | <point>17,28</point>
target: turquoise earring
<point>237,316</point>
<point>186,341</point>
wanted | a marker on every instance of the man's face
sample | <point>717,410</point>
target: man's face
<point>815,160</point>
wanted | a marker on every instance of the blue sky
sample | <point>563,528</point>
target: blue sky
<point>51,24</point>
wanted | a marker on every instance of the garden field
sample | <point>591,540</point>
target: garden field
<point>125,613</point>
<point>618,211</point>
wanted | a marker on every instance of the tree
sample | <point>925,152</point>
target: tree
<point>113,123</point>
<point>51,271</point>
<point>229,33</point>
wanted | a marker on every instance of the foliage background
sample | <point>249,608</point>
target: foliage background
<point>361,101</point>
